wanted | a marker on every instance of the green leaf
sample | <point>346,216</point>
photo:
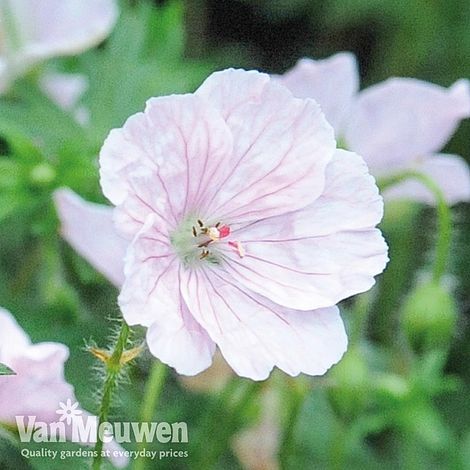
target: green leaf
<point>4,370</point>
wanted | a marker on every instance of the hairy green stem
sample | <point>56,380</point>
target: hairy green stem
<point>152,393</point>
<point>444,234</point>
<point>113,369</point>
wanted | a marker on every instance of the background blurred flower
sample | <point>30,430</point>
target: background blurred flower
<point>399,124</point>
<point>32,31</point>
<point>66,90</point>
<point>39,385</point>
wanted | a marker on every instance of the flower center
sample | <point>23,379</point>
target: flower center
<point>194,241</point>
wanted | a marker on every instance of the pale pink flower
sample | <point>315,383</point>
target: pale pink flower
<point>39,386</point>
<point>399,124</point>
<point>34,30</point>
<point>66,90</point>
<point>296,221</point>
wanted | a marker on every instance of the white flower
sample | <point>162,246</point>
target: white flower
<point>34,30</point>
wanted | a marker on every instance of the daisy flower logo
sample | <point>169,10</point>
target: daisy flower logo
<point>68,411</point>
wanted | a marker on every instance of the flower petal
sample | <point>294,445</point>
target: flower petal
<point>319,255</point>
<point>63,27</point>
<point>185,346</point>
<point>13,340</point>
<point>450,172</point>
<point>254,335</point>
<point>402,118</point>
<point>281,148</point>
<point>231,89</point>
<point>181,139</point>
<point>89,228</point>
<point>331,82</point>
<point>65,89</point>
<point>150,296</point>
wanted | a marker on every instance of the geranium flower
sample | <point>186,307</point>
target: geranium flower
<point>32,31</point>
<point>399,124</point>
<point>246,227</point>
<point>39,388</point>
<point>66,91</point>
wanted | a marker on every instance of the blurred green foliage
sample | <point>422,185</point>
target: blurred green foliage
<point>399,398</point>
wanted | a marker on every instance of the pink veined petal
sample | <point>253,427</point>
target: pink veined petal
<point>62,27</point>
<point>13,340</point>
<point>231,89</point>
<point>148,195</point>
<point>321,254</point>
<point>332,82</point>
<point>450,172</point>
<point>254,335</point>
<point>121,149</point>
<point>150,296</point>
<point>184,345</point>
<point>281,147</point>
<point>181,140</point>
<point>151,276</point>
<point>90,230</point>
<point>400,119</point>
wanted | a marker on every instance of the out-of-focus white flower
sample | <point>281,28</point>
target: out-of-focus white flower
<point>35,30</point>
<point>66,90</point>
<point>39,387</point>
<point>399,124</point>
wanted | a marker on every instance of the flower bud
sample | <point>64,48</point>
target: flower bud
<point>429,316</point>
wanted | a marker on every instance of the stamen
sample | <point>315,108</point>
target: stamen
<point>213,233</point>
<point>194,231</point>
<point>238,247</point>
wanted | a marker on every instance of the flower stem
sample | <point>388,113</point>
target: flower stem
<point>153,390</point>
<point>113,369</point>
<point>444,235</point>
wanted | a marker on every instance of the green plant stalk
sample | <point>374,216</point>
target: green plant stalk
<point>152,393</point>
<point>113,369</point>
<point>444,236</point>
